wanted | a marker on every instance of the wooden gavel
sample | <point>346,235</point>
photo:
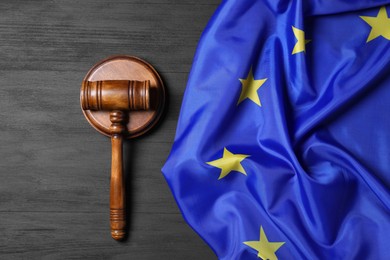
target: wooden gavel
<point>121,97</point>
<point>116,96</point>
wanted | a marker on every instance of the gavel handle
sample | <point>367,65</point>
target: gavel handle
<point>117,186</point>
<point>117,191</point>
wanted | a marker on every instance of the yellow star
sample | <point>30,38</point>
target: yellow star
<point>250,87</point>
<point>380,25</point>
<point>266,250</point>
<point>229,162</point>
<point>301,41</point>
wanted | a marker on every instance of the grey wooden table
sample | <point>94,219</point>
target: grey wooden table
<point>54,167</point>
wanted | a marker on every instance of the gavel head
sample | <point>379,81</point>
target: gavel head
<point>110,95</point>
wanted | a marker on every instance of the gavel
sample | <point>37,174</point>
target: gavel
<point>117,97</point>
<point>121,97</point>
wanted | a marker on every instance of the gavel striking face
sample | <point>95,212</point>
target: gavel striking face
<point>118,98</point>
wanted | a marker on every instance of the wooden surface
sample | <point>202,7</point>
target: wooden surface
<point>54,167</point>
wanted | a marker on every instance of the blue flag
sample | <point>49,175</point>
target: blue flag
<point>282,149</point>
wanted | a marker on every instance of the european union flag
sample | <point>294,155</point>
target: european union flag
<point>282,148</point>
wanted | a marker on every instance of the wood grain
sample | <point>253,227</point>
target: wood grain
<point>54,168</point>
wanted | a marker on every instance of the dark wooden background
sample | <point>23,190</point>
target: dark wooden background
<point>54,167</point>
